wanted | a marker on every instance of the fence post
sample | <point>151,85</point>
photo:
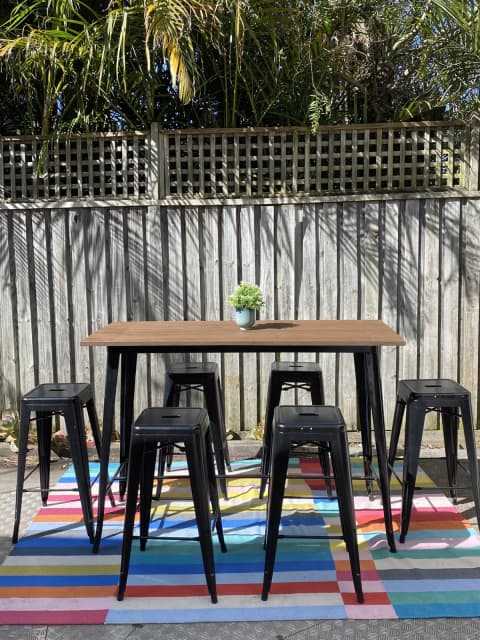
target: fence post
<point>472,155</point>
<point>154,161</point>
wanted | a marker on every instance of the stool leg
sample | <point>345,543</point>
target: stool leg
<point>93,419</point>
<point>450,439</point>
<point>413,438</point>
<point>146,488</point>
<point>364,418</point>
<point>317,397</point>
<point>467,420</point>
<point>95,427</point>
<point>346,507</point>
<point>395,436</point>
<point>212,483</point>
<point>171,398</point>
<point>75,426</point>
<point>221,413</point>
<point>219,437</point>
<point>163,454</point>
<point>273,399</point>
<point>133,481</point>
<point>21,461</point>
<point>44,444</point>
<point>127,394</point>
<point>113,358</point>
<point>278,478</point>
<point>196,457</point>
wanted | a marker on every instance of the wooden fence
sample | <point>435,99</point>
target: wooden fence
<point>241,163</point>
<point>352,222</point>
<point>413,261</point>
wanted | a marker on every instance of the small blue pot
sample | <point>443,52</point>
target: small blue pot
<point>245,318</point>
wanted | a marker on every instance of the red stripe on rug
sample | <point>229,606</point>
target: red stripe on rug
<point>375,598</point>
<point>304,587</point>
<point>166,591</point>
<point>53,617</point>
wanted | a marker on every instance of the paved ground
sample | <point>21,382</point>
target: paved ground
<point>442,629</point>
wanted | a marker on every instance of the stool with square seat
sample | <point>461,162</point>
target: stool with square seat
<point>164,427</point>
<point>283,377</point>
<point>204,377</point>
<point>452,401</point>
<point>323,425</point>
<point>46,401</point>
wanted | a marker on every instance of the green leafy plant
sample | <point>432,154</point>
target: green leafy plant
<point>247,296</point>
<point>9,428</point>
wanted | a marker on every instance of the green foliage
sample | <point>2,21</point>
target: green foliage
<point>10,427</point>
<point>72,65</point>
<point>247,296</point>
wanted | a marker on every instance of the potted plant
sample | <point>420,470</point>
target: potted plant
<point>247,299</point>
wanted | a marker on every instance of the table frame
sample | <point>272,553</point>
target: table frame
<point>361,338</point>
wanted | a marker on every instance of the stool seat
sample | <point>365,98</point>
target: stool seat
<point>163,427</point>
<point>284,376</point>
<point>452,401</point>
<point>323,425</point>
<point>202,376</point>
<point>68,400</point>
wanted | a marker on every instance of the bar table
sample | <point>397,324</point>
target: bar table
<point>362,338</point>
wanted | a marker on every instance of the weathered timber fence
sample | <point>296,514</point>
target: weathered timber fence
<point>219,163</point>
<point>410,258</point>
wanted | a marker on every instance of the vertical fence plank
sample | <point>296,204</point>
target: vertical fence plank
<point>306,283</point>
<point>60,287</point>
<point>248,361</point>
<point>390,261</point>
<point>429,289</point>
<point>266,244</point>
<point>348,304</point>
<point>26,363</point>
<point>449,279</point>
<point>410,231</point>
<point>154,295</point>
<point>78,309</point>
<point>328,286</point>
<point>369,246</point>
<point>213,307</point>
<point>8,381</point>
<point>135,255</point>
<point>174,283</point>
<point>193,283</point>
<point>231,384</point>
<point>41,296</point>
<point>97,284</point>
<point>285,275</point>
<point>470,310</point>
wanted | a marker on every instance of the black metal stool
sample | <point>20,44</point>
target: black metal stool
<point>323,425</point>
<point>451,400</point>
<point>163,427</point>
<point>47,400</point>
<point>285,376</point>
<point>202,376</point>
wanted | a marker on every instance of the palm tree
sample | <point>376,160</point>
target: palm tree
<point>101,64</point>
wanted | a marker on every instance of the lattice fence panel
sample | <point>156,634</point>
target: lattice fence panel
<point>273,162</point>
<point>236,163</point>
<point>100,166</point>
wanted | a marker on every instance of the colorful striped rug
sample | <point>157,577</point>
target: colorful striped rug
<point>52,577</point>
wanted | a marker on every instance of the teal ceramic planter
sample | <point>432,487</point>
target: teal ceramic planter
<point>245,318</point>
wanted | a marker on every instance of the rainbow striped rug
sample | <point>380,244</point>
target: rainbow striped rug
<point>52,577</point>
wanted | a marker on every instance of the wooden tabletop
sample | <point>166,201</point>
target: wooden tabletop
<point>223,335</point>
